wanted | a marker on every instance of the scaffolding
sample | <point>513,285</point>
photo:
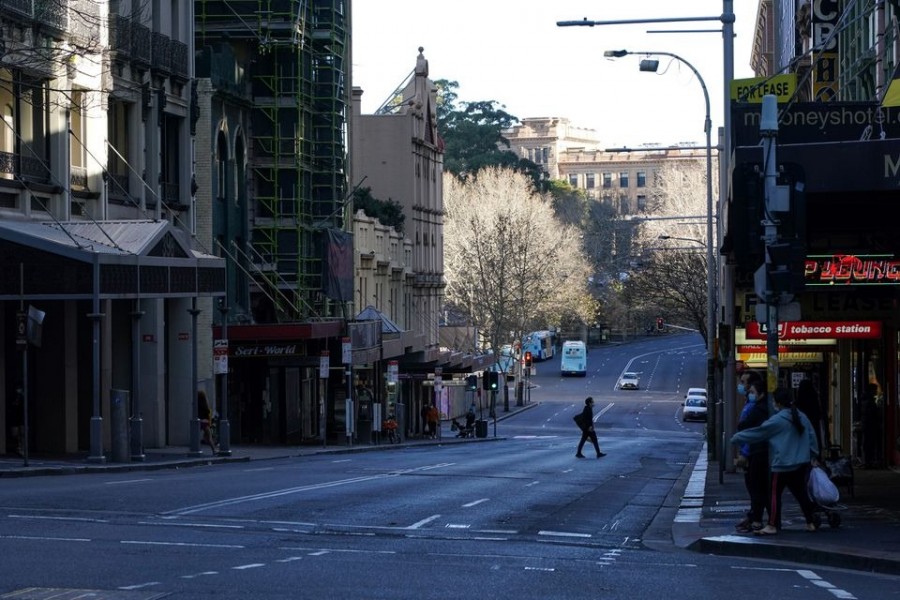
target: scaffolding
<point>297,181</point>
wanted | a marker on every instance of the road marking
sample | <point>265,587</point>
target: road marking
<point>455,526</point>
<point>138,586</point>
<point>128,481</point>
<point>175,524</point>
<point>250,566</point>
<point>296,490</point>
<point>203,574</point>
<point>38,517</point>
<point>43,538</point>
<point>423,522</point>
<point>817,581</point>
<point>184,544</point>
<point>474,503</point>
<point>564,534</point>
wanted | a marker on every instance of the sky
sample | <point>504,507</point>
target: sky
<point>513,52</point>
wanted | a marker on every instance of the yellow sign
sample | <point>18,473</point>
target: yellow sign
<point>752,90</point>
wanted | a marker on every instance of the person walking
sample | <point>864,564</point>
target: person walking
<point>434,418</point>
<point>585,420</point>
<point>755,455</point>
<point>205,414</point>
<point>424,414</point>
<point>792,447</point>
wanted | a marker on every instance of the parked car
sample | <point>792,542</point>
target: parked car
<point>629,381</point>
<point>693,408</point>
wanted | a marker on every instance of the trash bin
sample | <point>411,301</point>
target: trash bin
<point>481,428</point>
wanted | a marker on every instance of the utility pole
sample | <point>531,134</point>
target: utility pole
<point>768,130</point>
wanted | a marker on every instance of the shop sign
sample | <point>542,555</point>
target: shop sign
<point>794,330</point>
<point>265,350</point>
<point>851,269</point>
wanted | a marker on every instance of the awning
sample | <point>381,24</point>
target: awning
<point>132,259</point>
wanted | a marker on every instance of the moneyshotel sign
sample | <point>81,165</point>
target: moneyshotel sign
<point>814,330</point>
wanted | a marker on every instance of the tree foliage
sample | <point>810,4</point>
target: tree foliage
<point>673,279</point>
<point>509,263</point>
<point>473,135</point>
<point>389,212</point>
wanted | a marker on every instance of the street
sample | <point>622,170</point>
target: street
<point>519,517</point>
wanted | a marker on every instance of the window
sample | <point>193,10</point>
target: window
<point>623,180</point>
<point>641,179</point>
<point>607,180</point>
<point>573,180</point>
<point>589,181</point>
<point>642,202</point>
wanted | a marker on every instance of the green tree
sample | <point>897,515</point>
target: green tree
<point>473,136</point>
<point>389,212</point>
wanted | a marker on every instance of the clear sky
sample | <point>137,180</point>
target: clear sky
<point>513,52</point>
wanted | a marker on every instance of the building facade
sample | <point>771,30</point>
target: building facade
<point>841,331</point>
<point>97,229</point>
<point>622,180</point>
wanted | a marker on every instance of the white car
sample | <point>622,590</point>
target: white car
<point>696,392</point>
<point>693,408</point>
<point>629,381</point>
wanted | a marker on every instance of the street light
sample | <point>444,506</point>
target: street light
<point>651,65</point>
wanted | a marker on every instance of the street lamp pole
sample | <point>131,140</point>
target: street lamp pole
<point>651,65</point>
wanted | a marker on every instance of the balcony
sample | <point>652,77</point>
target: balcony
<point>120,37</point>
<point>161,56</point>
<point>140,45</point>
<point>13,166</point>
<point>179,60</point>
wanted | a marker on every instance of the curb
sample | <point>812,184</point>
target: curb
<point>828,556</point>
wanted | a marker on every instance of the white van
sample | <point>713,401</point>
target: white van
<point>574,359</point>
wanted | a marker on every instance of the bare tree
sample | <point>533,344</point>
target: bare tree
<point>510,264</point>
<point>673,280</point>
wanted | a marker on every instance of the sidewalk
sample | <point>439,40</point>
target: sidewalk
<point>179,457</point>
<point>867,537</point>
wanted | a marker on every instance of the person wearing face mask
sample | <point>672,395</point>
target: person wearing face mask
<point>755,455</point>
<point>792,447</point>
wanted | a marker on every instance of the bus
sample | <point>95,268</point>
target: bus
<point>574,359</point>
<point>540,344</point>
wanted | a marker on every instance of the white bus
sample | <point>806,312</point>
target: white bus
<point>574,359</point>
<point>540,344</point>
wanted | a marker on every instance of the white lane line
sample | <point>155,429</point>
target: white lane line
<point>138,586</point>
<point>455,526</point>
<point>548,569</point>
<point>175,524</point>
<point>296,490</point>
<point>564,534</point>
<point>250,566</point>
<point>423,522</point>
<point>202,574</point>
<point>604,409</point>
<point>289,559</point>
<point>532,483</point>
<point>183,544</point>
<point>259,469</point>
<point>43,538</point>
<point>40,518</point>
<point>474,503</point>
<point>816,580</point>
<point>129,481</point>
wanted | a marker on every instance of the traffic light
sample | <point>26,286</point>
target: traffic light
<point>471,383</point>
<point>784,266</point>
<point>491,381</point>
<point>528,359</point>
<point>659,323</point>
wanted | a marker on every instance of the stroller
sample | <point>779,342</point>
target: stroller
<point>840,472</point>
<point>466,430</point>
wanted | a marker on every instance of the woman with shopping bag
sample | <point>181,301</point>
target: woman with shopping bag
<point>792,447</point>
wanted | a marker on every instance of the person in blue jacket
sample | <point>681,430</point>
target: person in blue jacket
<point>756,455</point>
<point>792,448</point>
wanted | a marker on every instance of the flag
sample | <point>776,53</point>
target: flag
<point>892,93</point>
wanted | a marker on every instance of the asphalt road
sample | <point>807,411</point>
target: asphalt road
<point>517,518</point>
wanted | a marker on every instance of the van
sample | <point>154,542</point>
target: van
<point>574,359</point>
